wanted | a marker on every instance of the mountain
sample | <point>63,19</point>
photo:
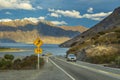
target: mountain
<point>110,22</point>
<point>27,31</point>
<point>74,28</point>
<point>5,40</point>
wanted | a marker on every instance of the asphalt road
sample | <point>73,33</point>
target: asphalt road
<point>48,72</point>
<point>77,71</point>
<point>57,68</point>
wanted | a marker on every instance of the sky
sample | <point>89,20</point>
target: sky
<point>60,12</point>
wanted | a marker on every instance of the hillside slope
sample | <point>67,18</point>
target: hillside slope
<point>112,21</point>
<point>99,44</point>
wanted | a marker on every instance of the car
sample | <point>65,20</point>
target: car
<point>71,57</point>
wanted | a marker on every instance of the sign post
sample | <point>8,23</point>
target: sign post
<point>38,61</point>
<point>38,50</point>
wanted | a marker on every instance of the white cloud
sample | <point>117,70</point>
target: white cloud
<point>59,23</point>
<point>35,20</point>
<point>73,13</point>
<point>26,6</point>
<point>51,10</point>
<point>96,16</point>
<point>90,10</point>
<point>9,13</point>
<point>5,20</point>
<point>39,7</point>
<point>67,13</point>
<point>55,15</point>
<point>16,4</point>
<point>32,19</point>
<point>41,18</point>
<point>76,14</point>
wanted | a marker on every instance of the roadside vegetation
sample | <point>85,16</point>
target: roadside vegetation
<point>103,48</point>
<point>29,62</point>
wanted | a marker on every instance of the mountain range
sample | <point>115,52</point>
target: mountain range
<point>27,31</point>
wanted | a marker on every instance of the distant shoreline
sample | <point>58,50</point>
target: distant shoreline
<point>11,50</point>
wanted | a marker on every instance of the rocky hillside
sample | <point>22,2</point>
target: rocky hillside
<point>112,21</point>
<point>26,31</point>
<point>99,44</point>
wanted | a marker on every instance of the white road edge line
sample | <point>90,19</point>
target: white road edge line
<point>95,70</point>
<point>62,69</point>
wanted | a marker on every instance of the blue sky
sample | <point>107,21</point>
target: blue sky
<point>60,12</point>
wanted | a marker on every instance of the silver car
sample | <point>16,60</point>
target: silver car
<point>71,57</point>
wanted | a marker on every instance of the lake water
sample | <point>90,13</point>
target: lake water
<point>51,48</point>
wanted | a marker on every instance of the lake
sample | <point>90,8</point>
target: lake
<point>29,49</point>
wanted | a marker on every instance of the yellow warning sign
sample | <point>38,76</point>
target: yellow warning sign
<point>38,50</point>
<point>38,42</point>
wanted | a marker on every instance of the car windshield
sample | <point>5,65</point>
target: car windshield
<point>71,55</point>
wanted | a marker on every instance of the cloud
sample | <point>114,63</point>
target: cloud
<point>96,16</point>
<point>8,13</point>
<point>66,13</point>
<point>51,10</point>
<point>55,15</point>
<point>5,20</point>
<point>59,23</point>
<point>35,20</point>
<point>90,10</point>
<point>76,14</point>
<point>39,7</point>
<point>16,4</point>
<point>41,18</point>
<point>32,19</point>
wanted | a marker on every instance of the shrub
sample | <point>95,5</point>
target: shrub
<point>30,62</point>
<point>119,41</point>
<point>102,59</point>
<point>9,57</point>
<point>101,33</point>
<point>17,64</point>
<point>5,64</point>
<point>117,30</point>
<point>117,61</point>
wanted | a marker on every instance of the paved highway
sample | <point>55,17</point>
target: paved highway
<point>57,68</point>
<point>78,71</point>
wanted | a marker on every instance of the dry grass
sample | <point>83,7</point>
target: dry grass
<point>101,50</point>
<point>102,54</point>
